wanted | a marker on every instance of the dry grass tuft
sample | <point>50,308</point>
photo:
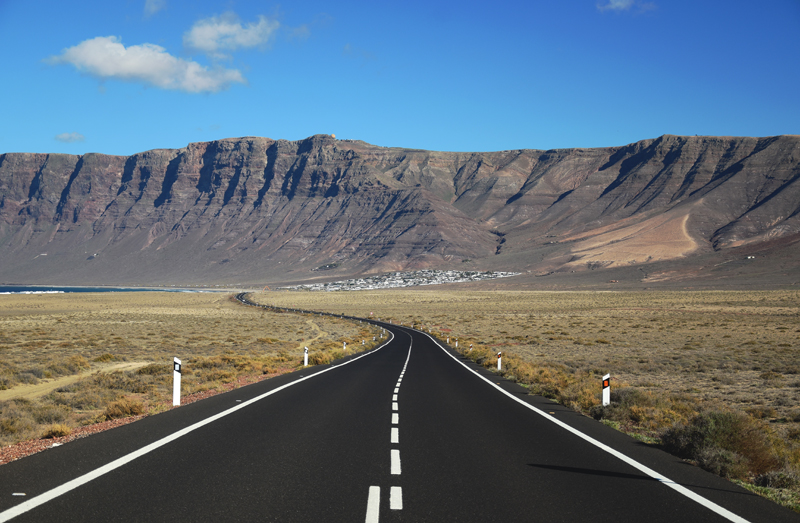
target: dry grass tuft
<point>123,408</point>
<point>56,431</point>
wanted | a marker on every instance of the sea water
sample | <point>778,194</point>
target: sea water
<point>30,289</point>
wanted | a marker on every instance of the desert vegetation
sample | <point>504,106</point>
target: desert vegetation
<point>68,360</point>
<point>713,377</point>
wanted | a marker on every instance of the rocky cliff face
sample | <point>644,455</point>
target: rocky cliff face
<point>256,209</point>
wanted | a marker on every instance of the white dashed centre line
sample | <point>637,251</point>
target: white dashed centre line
<point>395,435</point>
<point>396,498</point>
<point>396,390</point>
<point>394,405</point>
<point>395,419</point>
<point>394,397</point>
<point>395,454</point>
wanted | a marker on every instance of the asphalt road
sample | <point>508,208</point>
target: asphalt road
<point>407,432</point>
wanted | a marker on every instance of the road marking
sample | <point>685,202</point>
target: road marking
<point>394,397</point>
<point>617,454</point>
<point>395,419</point>
<point>395,435</point>
<point>396,390</point>
<point>373,505</point>
<point>124,460</point>
<point>395,462</point>
<point>396,498</point>
<point>394,405</point>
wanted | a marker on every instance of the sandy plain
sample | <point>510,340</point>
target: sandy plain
<point>736,348</point>
<point>64,358</point>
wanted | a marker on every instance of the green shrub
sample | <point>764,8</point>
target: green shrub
<point>784,478</point>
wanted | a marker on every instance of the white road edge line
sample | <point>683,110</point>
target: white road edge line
<point>373,505</point>
<point>619,455</point>
<point>89,476</point>
<point>396,498</point>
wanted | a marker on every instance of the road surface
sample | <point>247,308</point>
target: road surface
<point>407,432</point>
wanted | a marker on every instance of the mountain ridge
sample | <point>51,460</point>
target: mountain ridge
<point>253,209</point>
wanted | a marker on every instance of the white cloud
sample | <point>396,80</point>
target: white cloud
<point>300,33</point>
<point>151,7</point>
<point>70,137</point>
<point>106,57</point>
<point>625,5</point>
<point>616,5</point>
<point>218,34</point>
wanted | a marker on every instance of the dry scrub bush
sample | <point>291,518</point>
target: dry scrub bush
<point>730,444</point>
<point>56,431</point>
<point>16,420</point>
<point>575,389</point>
<point>106,357</point>
<point>123,408</point>
<point>645,411</point>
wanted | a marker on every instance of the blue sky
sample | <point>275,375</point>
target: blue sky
<point>127,76</point>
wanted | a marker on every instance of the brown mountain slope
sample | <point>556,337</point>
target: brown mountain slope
<point>255,209</point>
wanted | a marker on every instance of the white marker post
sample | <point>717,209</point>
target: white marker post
<point>305,357</point>
<point>362,342</point>
<point>470,346</point>
<point>345,345</point>
<point>607,390</point>
<point>176,381</point>
<point>448,340</point>
<point>456,342</point>
<point>499,366</point>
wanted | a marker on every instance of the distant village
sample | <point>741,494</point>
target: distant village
<point>403,279</point>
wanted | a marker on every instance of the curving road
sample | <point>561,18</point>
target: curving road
<point>406,432</point>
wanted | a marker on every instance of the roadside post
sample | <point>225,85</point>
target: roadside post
<point>176,381</point>
<point>448,340</point>
<point>345,345</point>
<point>305,357</point>
<point>470,346</point>
<point>499,366</point>
<point>607,390</point>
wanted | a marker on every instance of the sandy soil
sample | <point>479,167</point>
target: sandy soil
<point>663,237</point>
<point>46,386</point>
